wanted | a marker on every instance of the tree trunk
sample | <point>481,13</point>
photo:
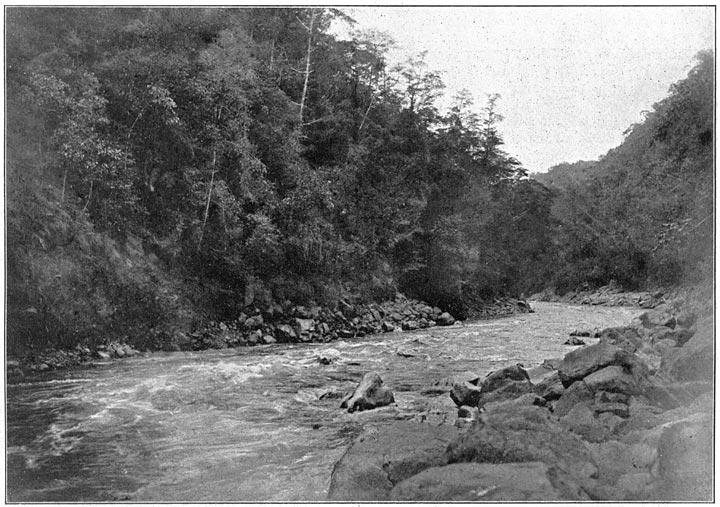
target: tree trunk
<point>307,63</point>
<point>209,198</point>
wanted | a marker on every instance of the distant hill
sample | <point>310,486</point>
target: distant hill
<point>563,175</point>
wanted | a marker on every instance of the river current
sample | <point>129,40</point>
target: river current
<point>259,424</point>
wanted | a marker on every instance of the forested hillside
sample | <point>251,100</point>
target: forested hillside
<point>168,167</point>
<point>643,215</point>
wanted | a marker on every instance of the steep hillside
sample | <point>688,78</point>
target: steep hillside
<point>643,215</point>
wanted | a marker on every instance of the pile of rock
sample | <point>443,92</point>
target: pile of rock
<point>288,323</point>
<point>608,295</point>
<point>629,418</point>
<point>52,359</point>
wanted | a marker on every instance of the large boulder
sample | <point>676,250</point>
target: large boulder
<point>505,384</point>
<point>369,394</point>
<point>482,482</point>
<point>580,363</point>
<point>466,393</point>
<point>445,319</point>
<point>695,360</point>
<point>613,379</point>
<point>512,433</point>
<point>384,456</point>
<point>686,460</point>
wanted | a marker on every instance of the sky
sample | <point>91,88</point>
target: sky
<point>572,79</point>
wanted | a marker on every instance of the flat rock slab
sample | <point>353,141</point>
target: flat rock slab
<point>479,482</point>
<point>382,457</point>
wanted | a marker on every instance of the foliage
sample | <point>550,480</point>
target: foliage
<point>643,214</point>
<point>257,157</point>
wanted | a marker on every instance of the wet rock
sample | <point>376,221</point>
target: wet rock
<point>445,319</point>
<point>382,457</point>
<point>369,394</point>
<point>328,356</point>
<point>583,333</point>
<point>574,341</point>
<point>482,482</point>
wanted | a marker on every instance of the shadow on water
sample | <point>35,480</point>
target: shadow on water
<point>255,424</point>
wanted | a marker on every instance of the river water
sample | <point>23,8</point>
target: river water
<point>258,424</point>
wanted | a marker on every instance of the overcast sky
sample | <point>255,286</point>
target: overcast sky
<point>572,79</point>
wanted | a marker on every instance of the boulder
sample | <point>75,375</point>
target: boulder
<point>253,322</point>
<point>584,333</point>
<point>483,482</point>
<point>660,316</point>
<point>369,394</point>
<point>382,457</point>
<point>685,318</point>
<point>574,341</point>
<point>285,333</point>
<point>466,393</point>
<point>410,325</point>
<point>550,387</point>
<point>627,338</point>
<point>303,326</point>
<point>678,335</point>
<point>445,319</point>
<point>503,377</point>
<point>695,360</point>
<point>578,392</point>
<point>581,421</point>
<point>581,362</point>
<point>613,379</point>
<point>512,433</point>
<point>388,327</point>
<point>686,460</point>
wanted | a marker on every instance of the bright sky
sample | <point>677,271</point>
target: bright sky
<point>572,79</point>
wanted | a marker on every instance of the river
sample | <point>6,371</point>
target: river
<point>259,424</point>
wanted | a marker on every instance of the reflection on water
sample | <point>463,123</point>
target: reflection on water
<point>257,424</point>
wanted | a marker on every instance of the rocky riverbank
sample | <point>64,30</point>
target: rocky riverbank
<point>629,418</point>
<point>608,295</point>
<point>276,323</point>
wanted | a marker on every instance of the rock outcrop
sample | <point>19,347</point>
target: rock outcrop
<point>382,457</point>
<point>620,420</point>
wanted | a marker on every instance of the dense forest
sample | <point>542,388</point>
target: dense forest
<point>170,167</point>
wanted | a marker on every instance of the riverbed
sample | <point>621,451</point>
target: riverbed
<point>259,424</point>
